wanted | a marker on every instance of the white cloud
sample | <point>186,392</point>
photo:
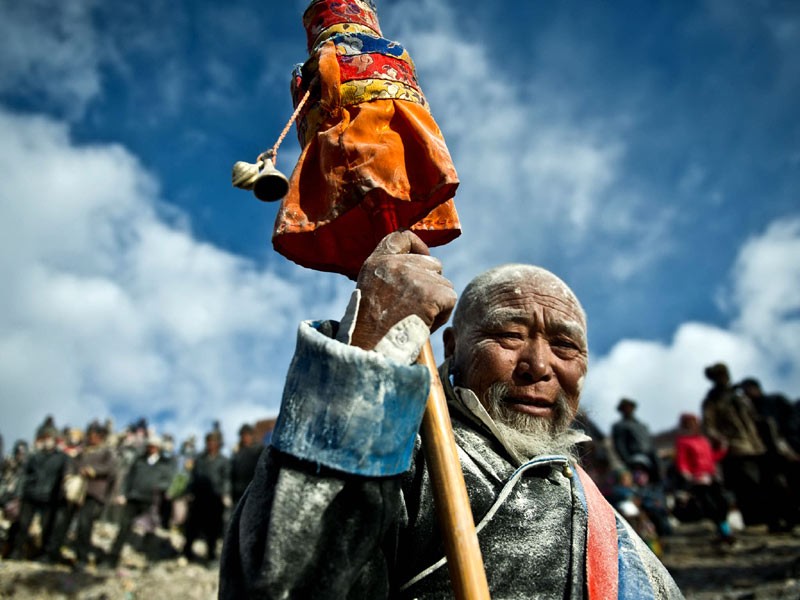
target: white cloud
<point>665,379</point>
<point>109,310</point>
<point>761,341</point>
<point>766,289</point>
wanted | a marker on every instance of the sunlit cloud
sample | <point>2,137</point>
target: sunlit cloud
<point>110,310</point>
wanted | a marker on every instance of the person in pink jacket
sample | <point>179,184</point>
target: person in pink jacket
<point>696,463</point>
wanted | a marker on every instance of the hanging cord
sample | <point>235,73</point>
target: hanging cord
<point>245,173</point>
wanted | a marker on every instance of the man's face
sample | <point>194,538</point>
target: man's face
<point>530,338</point>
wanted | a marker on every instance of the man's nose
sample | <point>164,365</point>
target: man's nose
<point>533,363</point>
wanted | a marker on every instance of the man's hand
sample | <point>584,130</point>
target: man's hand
<point>399,279</point>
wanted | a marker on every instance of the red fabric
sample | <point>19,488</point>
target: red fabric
<point>374,65</point>
<point>695,456</point>
<point>326,13</point>
<point>602,561</point>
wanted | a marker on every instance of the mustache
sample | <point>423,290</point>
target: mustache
<point>495,401</point>
<point>528,435</point>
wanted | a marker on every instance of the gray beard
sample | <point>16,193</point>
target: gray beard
<point>531,436</point>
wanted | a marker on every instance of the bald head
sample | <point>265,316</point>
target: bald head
<point>475,301</point>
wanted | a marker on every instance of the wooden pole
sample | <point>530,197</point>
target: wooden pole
<point>464,560</point>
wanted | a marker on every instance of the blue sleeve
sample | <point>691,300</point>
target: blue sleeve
<point>349,409</point>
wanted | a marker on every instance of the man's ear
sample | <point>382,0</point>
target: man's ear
<point>449,339</point>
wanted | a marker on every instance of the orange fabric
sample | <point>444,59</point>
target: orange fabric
<point>369,169</point>
<point>602,558</point>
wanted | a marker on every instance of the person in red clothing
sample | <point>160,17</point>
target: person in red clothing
<point>696,463</point>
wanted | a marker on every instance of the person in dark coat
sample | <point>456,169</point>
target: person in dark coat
<point>11,492</point>
<point>148,478</point>
<point>42,493</point>
<point>632,439</point>
<point>730,421</point>
<point>781,465</point>
<point>243,462</point>
<point>96,464</point>
<point>210,493</point>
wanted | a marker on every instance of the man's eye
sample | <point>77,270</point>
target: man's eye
<point>564,343</point>
<point>509,335</point>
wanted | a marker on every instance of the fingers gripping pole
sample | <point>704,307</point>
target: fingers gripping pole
<point>464,561</point>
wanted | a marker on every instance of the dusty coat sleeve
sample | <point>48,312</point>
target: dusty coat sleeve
<point>321,517</point>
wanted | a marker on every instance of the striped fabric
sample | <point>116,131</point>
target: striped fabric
<point>323,17</point>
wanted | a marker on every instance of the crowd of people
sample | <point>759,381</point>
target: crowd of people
<point>71,478</point>
<point>738,456</point>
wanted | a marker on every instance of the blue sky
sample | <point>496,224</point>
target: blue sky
<point>647,153</point>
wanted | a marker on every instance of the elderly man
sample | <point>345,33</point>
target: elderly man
<point>341,503</point>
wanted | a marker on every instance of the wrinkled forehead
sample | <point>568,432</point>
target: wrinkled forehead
<point>503,291</point>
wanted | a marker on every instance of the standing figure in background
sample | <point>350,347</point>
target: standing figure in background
<point>243,462</point>
<point>178,490</point>
<point>165,503</point>
<point>210,493</point>
<point>696,464</point>
<point>11,492</point>
<point>729,420</point>
<point>97,464</point>
<point>632,439</point>
<point>148,478</point>
<point>130,445</point>
<point>781,465</point>
<point>42,492</point>
<point>71,442</point>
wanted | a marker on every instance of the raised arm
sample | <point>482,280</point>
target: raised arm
<point>322,515</point>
